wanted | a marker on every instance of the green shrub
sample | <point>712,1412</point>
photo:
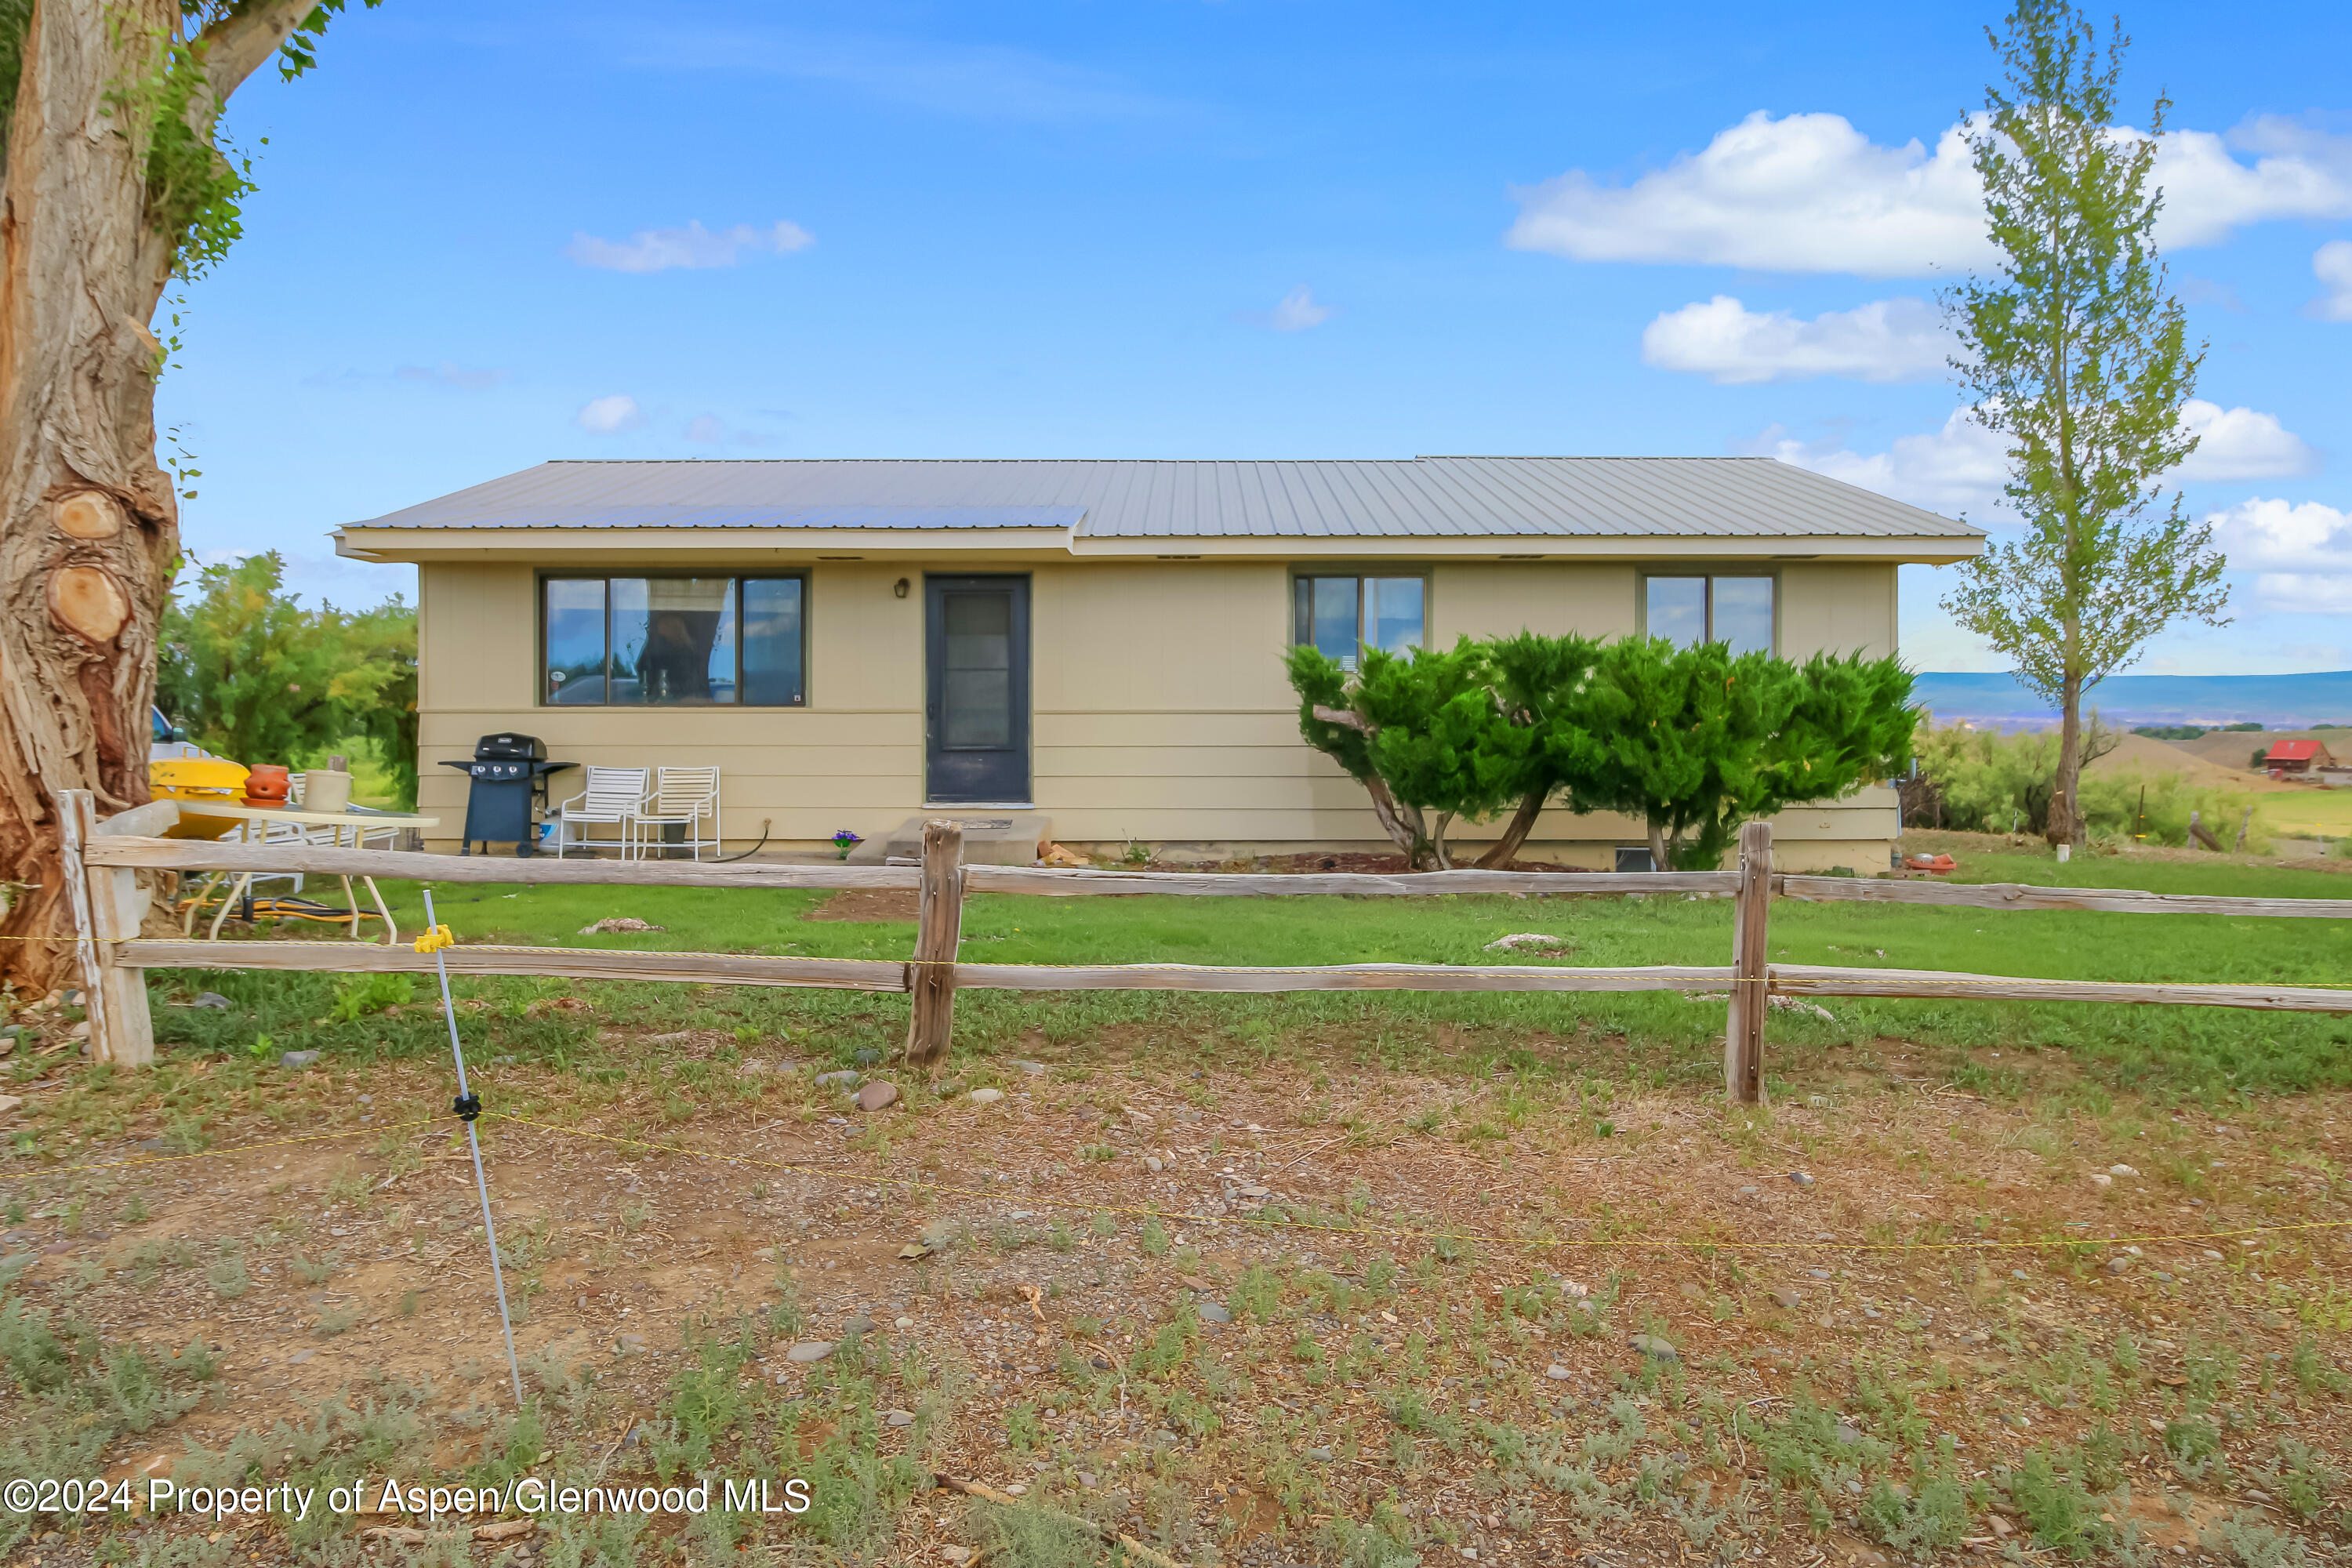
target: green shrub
<point>2058,1509</point>
<point>1933,1519</point>
<point>358,995</point>
<point>1983,783</point>
<point>227,1278</point>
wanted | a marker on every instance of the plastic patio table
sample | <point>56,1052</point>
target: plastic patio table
<point>248,817</point>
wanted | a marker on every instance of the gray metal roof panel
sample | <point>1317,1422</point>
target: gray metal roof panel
<point>1418,498</point>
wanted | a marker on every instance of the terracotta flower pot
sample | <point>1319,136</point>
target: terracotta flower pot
<point>268,784</point>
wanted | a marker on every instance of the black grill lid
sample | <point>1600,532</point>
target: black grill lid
<point>509,749</point>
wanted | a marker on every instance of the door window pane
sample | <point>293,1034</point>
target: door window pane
<point>771,641</point>
<point>1393,612</point>
<point>977,693</point>
<point>1327,617</point>
<point>1677,610</point>
<point>574,670</point>
<point>1743,613</point>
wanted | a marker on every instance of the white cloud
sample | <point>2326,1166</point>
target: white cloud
<point>706,430</point>
<point>1297,312</point>
<point>659,250</point>
<point>1960,467</point>
<point>2240,443</point>
<point>2278,535</point>
<point>448,374</point>
<point>1963,467</point>
<point>1721,339</point>
<point>2305,593</point>
<point>2302,552</point>
<point>2332,264</point>
<point>1809,192</point>
<point>611,416</point>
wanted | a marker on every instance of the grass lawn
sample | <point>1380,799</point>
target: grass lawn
<point>2195,1052</point>
<point>2307,814</point>
<point>1356,1280</point>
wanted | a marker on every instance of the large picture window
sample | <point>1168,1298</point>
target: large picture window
<point>670,642</point>
<point>1340,615</point>
<point>1690,610</point>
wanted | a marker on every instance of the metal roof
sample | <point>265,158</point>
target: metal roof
<point>1431,497</point>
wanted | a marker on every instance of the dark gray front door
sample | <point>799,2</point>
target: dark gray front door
<point>977,707</point>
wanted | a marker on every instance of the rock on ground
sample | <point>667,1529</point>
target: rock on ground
<point>1527,941</point>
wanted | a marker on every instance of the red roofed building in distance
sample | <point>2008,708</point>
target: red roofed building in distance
<point>2291,759</point>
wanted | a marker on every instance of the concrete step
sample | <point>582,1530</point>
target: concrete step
<point>990,837</point>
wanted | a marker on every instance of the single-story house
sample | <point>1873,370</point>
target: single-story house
<point>857,642</point>
<point>2292,759</point>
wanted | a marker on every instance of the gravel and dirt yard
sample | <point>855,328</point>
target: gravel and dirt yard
<point>1351,1280</point>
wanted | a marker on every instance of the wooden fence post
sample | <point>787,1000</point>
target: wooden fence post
<point>931,979</point>
<point>1743,1040</point>
<point>107,906</point>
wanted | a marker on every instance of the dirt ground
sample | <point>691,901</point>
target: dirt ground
<point>1398,1257</point>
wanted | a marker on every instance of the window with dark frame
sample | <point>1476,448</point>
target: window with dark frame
<point>673,641</point>
<point>1342,615</point>
<point>1691,608</point>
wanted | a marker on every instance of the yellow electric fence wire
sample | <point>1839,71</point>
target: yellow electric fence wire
<point>439,937</point>
<point>919,1185</point>
<point>1793,984</point>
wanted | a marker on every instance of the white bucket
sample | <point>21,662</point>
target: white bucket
<point>325,790</point>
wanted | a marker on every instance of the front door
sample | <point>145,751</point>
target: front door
<point>977,701</point>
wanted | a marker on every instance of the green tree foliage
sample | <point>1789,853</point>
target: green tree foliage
<point>2074,352</point>
<point>197,183</point>
<point>255,677</point>
<point>1689,741</point>
<point>378,682</point>
<point>1980,782</point>
<point>1424,732</point>
<point>1697,741</point>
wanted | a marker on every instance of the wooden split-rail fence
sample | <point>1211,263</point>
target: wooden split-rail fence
<point>103,860</point>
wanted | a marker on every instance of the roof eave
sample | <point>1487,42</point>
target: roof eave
<point>569,546</point>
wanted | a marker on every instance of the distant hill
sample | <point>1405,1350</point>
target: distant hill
<point>2277,701</point>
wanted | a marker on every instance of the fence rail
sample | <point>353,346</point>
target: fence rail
<point>135,853</point>
<point>104,861</point>
<point>2026,896</point>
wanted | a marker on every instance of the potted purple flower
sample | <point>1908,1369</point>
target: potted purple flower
<point>845,841</point>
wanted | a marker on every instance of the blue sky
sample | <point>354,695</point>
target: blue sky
<point>486,236</point>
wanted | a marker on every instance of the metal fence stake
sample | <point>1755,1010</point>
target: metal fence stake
<point>468,1107</point>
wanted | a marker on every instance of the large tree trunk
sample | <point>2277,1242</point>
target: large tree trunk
<point>1505,849</point>
<point>1403,824</point>
<point>2066,823</point>
<point>87,527</point>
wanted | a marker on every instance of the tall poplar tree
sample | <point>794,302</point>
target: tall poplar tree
<point>2074,350</point>
<point>113,182</point>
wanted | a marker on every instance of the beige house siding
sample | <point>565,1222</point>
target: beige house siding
<point>1161,711</point>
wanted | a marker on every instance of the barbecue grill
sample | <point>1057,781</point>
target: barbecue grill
<point>508,792</point>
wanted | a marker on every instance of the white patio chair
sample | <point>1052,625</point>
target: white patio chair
<point>612,798</point>
<point>682,797</point>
